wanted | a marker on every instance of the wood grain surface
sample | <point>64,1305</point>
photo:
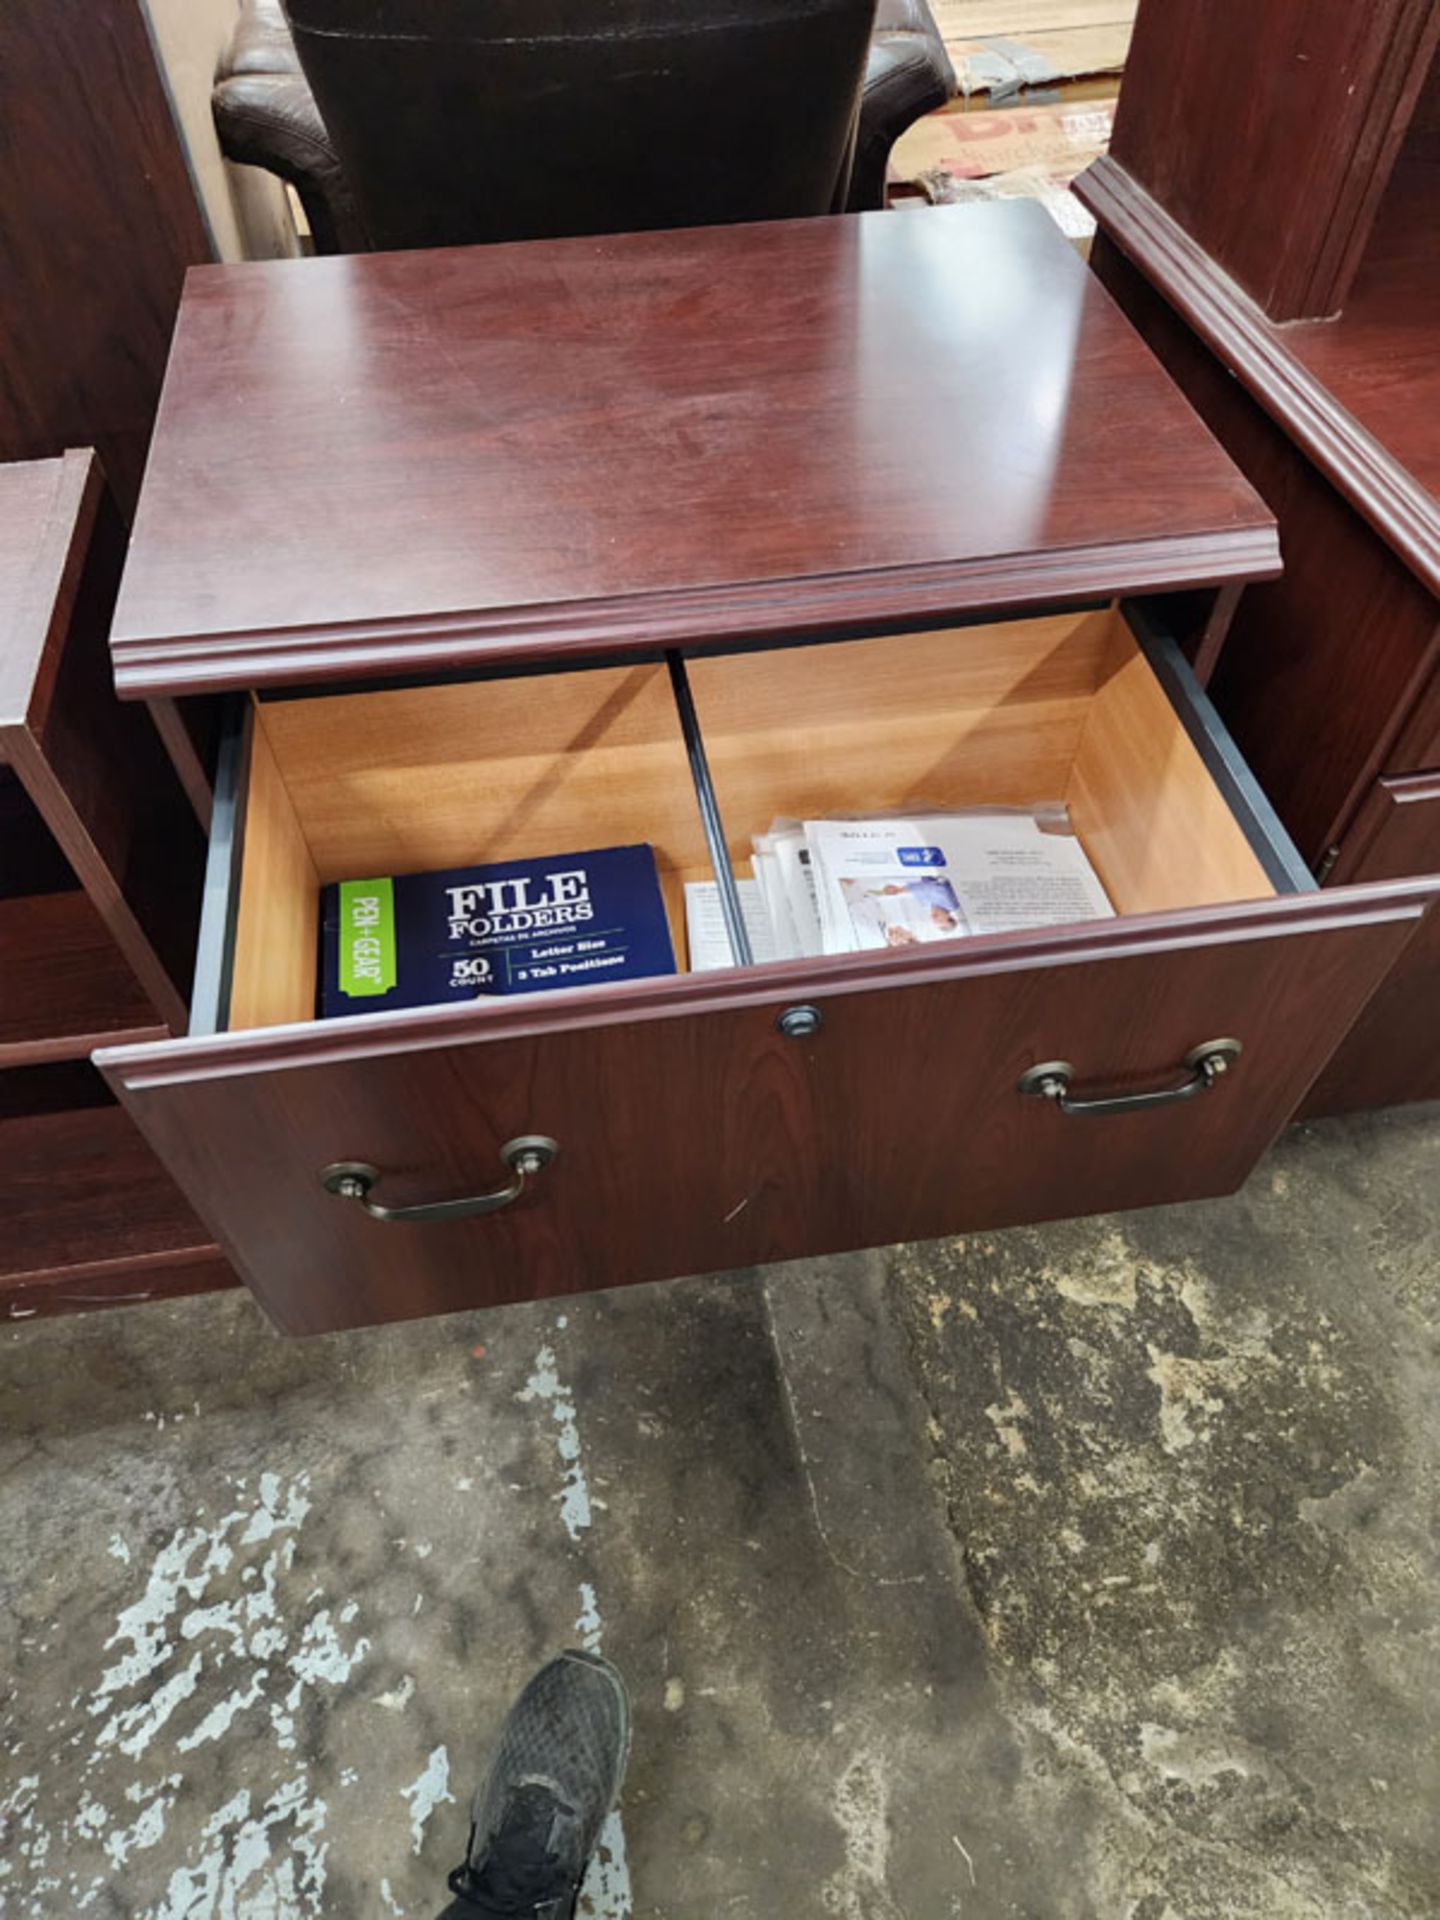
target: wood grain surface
<point>1058,709</point>
<point>98,222</point>
<point>1264,357</point>
<point>93,769</point>
<point>1379,357</point>
<point>84,1198</point>
<point>1151,818</point>
<point>65,987</point>
<point>988,715</point>
<point>1281,260</point>
<point>395,462</point>
<point>1268,132</point>
<point>410,780</point>
<point>1393,1051</point>
<point>41,504</point>
<point>277,924</point>
<point>1320,667</point>
<point>695,1137</point>
<point>1418,747</point>
<point>100,861</point>
<point>123,1285</point>
<point>404,779</point>
<point>413,779</point>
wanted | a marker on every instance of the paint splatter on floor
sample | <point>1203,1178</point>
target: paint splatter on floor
<point>606,1894</point>
<point>425,1794</point>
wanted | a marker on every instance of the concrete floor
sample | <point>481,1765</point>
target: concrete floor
<point>1084,1571</point>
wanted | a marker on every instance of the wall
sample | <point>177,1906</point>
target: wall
<point>247,210</point>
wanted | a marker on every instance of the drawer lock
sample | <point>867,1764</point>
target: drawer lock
<point>526,1156</point>
<point>1207,1063</point>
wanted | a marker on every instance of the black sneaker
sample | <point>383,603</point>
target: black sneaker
<point>557,1772</point>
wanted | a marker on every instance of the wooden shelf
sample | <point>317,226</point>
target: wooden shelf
<point>1378,358</point>
<point>87,1209</point>
<point>100,863</point>
<point>87,776</point>
<point>1289,370</point>
<point>67,987</point>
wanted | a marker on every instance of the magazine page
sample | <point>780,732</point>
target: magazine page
<point>905,882</point>
<point>708,937</point>
<point>791,848</point>
<point>774,901</point>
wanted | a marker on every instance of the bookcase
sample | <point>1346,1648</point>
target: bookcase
<point>1268,219</point>
<point>100,869</point>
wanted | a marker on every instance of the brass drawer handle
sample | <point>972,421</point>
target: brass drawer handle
<point>525,1157</point>
<point>1207,1062</point>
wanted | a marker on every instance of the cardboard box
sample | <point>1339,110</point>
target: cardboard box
<point>1059,141</point>
<point>1030,153</point>
<point>1009,50</point>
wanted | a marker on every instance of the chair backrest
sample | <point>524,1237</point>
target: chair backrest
<point>469,120</point>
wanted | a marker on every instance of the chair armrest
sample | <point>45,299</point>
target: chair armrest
<point>261,42</point>
<point>270,120</point>
<point>908,74</point>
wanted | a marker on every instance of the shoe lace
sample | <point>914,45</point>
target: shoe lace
<point>520,1869</point>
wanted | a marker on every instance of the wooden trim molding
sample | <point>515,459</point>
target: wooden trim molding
<point>328,1042</point>
<point>37,624</point>
<point>1281,190</point>
<point>1403,811</point>
<point>841,605</point>
<point>1409,42</point>
<point>1382,491</point>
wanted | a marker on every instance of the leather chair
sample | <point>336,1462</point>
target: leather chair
<point>452,121</point>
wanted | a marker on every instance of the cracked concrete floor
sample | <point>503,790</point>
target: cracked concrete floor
<point>1078,1571</point>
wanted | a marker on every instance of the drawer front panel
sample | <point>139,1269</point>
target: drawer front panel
<point>1392,1053</point>
<point>1396,833</point>
<point>1419,744</point>
<point>695,1136</point>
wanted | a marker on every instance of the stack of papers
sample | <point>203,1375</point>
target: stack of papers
<point>852,886</point>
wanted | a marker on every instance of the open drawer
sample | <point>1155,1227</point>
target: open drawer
<point>720,1120</point>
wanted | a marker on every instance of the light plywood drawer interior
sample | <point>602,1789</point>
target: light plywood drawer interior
<point>1061,708</point>
<point>403,780</point>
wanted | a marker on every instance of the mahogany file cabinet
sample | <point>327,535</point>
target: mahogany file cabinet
<point>526,549</point>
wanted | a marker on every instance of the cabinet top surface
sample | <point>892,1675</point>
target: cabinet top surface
<point>39,506</point>
<point>414,461</point>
